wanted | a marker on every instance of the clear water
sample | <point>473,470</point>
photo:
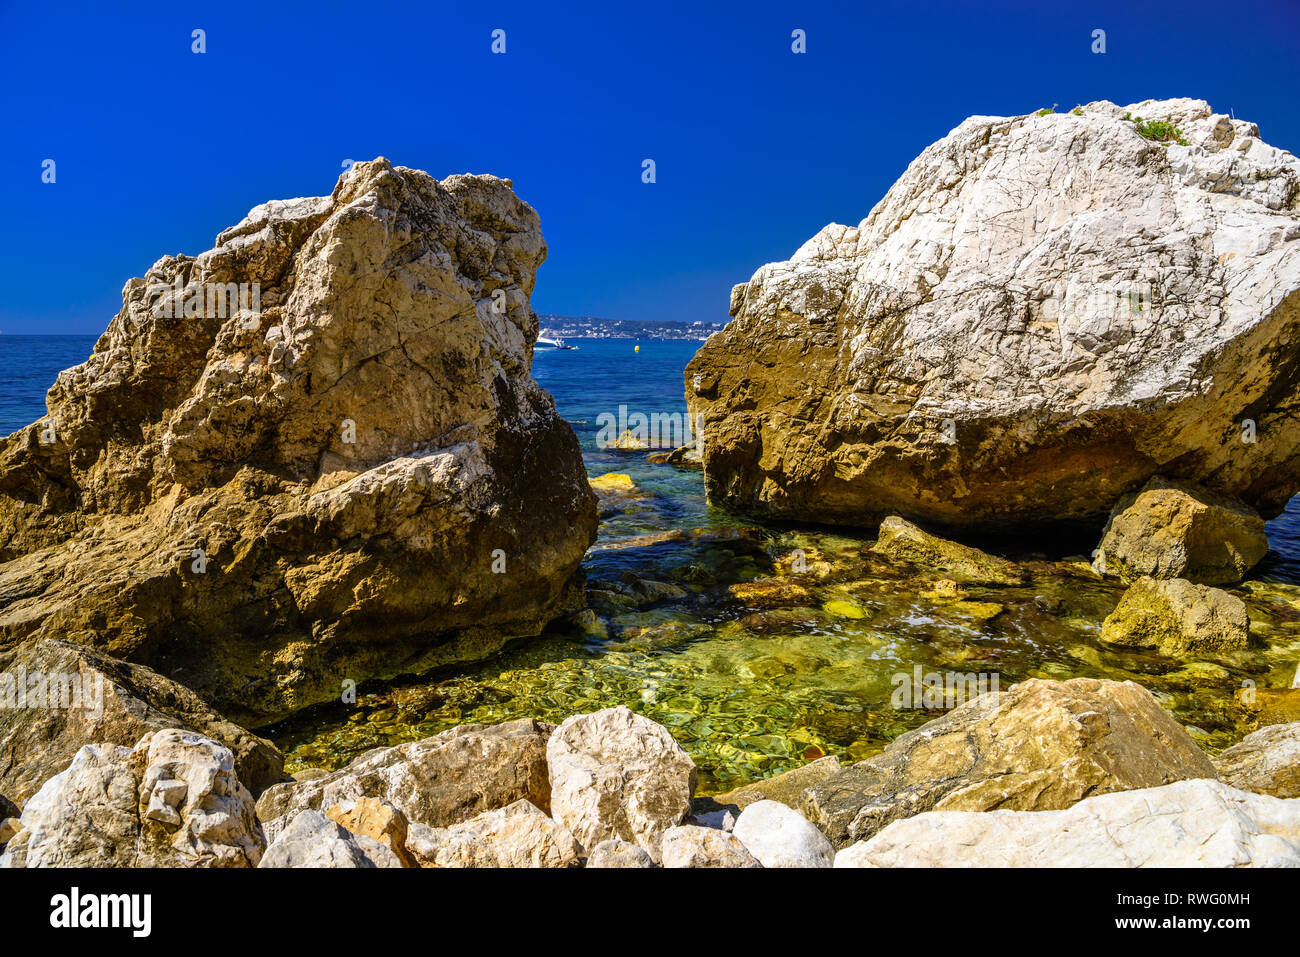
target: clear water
<point>755,685</point>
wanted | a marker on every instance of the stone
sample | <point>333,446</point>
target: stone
<point>787,788</point>
<point>310,839</point>
<point>1176,530</point>
<point>9,826</point>
<point>518,835</point>
<point>436,781</point>
<point>613,482</point>
<point>770,592</point>
<point>172,801</point>
<point>1265,762</point>
<point>211,475</point>
<point>902,541</point>
<point>1177,618</point>
<point>617,853</point>
<point>689,846</point>
<point>1197,823</point>
<point>779,836</point>
<point>1269,706</point>
<point>106,701</point>
<point>618,774</point>
<point>1040,745</point>
<point>376,819</point>
<point>1041,314</point>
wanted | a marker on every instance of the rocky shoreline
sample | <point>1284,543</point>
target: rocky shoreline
<point>230,516</point>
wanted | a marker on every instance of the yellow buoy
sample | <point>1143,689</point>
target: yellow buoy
<point>636,348</point>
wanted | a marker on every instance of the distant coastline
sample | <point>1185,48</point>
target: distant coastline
<point>592,327</point>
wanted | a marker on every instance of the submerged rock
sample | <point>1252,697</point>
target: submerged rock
<point>172,801</point>
<point>1042,313</point>
<point>618,774</point>
<point>197,497</point>
<point>1175,530</point>
<point>1266,762</point>
<point>1186,824</point>
<point>437,781</point>
<point>101,700</point>
<point>1040,745</point>
<point>902,541</point>
<point>1177,618</point>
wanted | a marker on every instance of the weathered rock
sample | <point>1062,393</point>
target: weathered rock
<point>1187,824</point>
<point>787,788</point>
<point>1041,314</point>
<point>1176,530</point>
<point>780,836</point>
<point>689,846</point>
<point>437,781</point>
<point>210,476</point>
<point>1040,745</point>
<point>1177,618</point>
<point>9,826</point>
<point>172,801</point>
<point>310,839</point>
<point>518,835</point>
<point>1266,762</point>
<point>104,701</point>
<point>378,820</point>
<point>617,774</point>
<point>902,541</point>
<point>617,853</point>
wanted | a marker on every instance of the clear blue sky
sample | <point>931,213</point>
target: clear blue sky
<point>158,148</point>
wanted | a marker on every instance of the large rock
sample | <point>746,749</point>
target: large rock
<point>1175,530</point>
<point>437,781</point>
<point>622,855</point>
<point>690,846</point>
<point>1266,762</point>
<point>617,774</point>
<point>1177,618</point>
<point>172,801</point>
<point>780,836</point>
<point>310,839</point>
<point>1042,313</point>
<point>900,540</point>
<point>101,700</point>
<point>1187,824</point>
<point>518,835</point>
<point>357,478</point>
<point>1041,745</point>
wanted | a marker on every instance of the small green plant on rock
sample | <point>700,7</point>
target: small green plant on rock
<point>1078,110</point>
<point>1046,110</point>
<point>1158,131</point>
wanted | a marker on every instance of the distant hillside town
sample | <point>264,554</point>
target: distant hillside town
<point>592,327</point>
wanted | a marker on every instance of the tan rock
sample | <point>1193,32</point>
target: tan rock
<point>1040,745</point>
<point>1186,824</point>
<point>211,473</point>
<point>376,819</point>
<point>1176,530</point>
<point>518,835</point>
<point>436,781</point>
<point>616,774</point>
<point>100,700</point>
<point>172,801</point>
<point>1266,762</point>
<point>614,853</point>
<point>689,846</point>
<point>310,839</point>
<point>1177,618</point>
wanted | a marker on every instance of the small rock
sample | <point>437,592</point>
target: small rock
<point>1266,762</point>
<point>900,540</point>
<point>515,836</point>
<point>310,839</point>
<point>690,846</point>
<point>779,836</point>
<point>376,819</point>
<point>616,853</point>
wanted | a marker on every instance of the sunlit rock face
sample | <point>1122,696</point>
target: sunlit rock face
<point>313,454</point>
<point>1042,313</point>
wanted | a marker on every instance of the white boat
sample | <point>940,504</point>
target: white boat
<point>551,342</point>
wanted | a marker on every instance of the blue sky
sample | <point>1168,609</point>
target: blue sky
<point>158,148</point>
